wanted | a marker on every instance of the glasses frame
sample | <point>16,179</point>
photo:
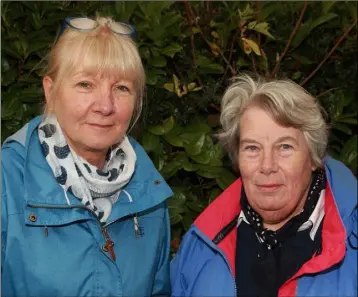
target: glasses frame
<point>67,23</point>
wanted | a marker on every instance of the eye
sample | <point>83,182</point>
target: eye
<point>251,148</point>
<point>286,147</point>
<point>84,84</point>
<point>123,88</point>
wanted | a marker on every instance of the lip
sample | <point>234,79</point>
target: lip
<point>100,126</point>
<point>269,187</point>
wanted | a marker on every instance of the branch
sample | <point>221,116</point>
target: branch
<point>233,72</point>
<point>325,92</point>
<point>231,52</point>
<point>339,41</point>
<point>191,22</point>
<point>297,26</point>
<point>253,64</point>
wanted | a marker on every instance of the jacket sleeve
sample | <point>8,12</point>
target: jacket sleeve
<point>161,285</point>
<point>3,223</point>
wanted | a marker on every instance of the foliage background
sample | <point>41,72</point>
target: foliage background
<point>190,51</point>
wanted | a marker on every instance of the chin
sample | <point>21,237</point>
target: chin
<point>98,146</point>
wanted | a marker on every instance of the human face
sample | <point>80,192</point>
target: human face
<point>275,166</point>
<point>94,111</point>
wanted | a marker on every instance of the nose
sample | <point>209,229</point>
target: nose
<point>268,163</point>
<point>105,103</point>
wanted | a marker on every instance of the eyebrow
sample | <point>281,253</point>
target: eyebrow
<point>280,139</point>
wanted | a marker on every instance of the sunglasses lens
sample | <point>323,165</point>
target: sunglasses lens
<point>121,28</point>
<point>83,23</point>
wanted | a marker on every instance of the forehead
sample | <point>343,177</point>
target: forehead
<point>111,74</point>
<point>256,123</point>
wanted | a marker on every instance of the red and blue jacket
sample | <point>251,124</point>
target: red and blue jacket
<point>203,268</point>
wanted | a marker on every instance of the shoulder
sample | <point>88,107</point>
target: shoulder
<point>344,188</point>
<point>342,181</point>
<point>13,156</point>
<point>192,256</point>
<point>197,266</point>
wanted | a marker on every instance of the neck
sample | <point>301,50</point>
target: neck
<point>94,158</point>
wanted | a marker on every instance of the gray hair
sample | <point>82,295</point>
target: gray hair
<point>289,105</point>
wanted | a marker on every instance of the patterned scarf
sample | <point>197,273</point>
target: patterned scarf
<point>273,238</point>
<point>96,189</point>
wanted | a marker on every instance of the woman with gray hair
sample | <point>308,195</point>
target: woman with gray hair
<point>288,225</point>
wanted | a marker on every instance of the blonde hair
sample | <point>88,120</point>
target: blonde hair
<point>289,105</point>
<point>96,51</point>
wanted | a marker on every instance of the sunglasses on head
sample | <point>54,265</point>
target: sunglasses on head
<point>88,24</point>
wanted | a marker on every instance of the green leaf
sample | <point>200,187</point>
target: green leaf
<point>210,153</point>
<point>197,128</point>
<point>209,171</point>
<point>195,206</point>
<point>343,128</point>
<point>296,75</point>
<point>327,6</point>
<point>303,60</point>
<point>175,219</point>
<point>168,124</point>
<point>172,49</point>
<point>193,142</point>
<point>263,29</point>
<point>353,121</point>
<point>152,75</point>
<point>125,9</point>
<point>162,129</point>
<point>349,151</point>
<point>305,30</point>
<point>150,141</point>
<point>158,61</point>
<point>170,169</point>
<point>173,136</point>
<point>269,8</point>
<point>253,45</point>
<point>242,62</point>
<point>187,166</point>
<point>207,66</point>
<point>225,179</point>
<point>169,87</point>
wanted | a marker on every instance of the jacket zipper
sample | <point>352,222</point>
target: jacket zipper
<point>108,242</point>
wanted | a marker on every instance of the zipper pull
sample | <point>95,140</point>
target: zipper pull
<point>109,244</point>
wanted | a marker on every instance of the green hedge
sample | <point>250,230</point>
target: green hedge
<point>190,51</point>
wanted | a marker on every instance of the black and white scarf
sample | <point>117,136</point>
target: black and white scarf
<point>272,238</point>
<point>97,189</point>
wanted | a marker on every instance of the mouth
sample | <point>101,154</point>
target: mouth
<point>269,187</point>
<point>100,126</point>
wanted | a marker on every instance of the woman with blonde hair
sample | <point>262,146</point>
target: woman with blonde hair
<point>288,225</point>
<point>83,208</point>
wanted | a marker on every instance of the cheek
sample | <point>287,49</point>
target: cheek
<point>247,167</point>
<point>298,178</point>
<point>125,111</point>
<point>71,105</point>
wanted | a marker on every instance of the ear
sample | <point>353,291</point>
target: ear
<point>47,84</point>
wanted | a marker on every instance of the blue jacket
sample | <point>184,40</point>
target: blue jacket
<point>202,268</point>
<point>50,248</point>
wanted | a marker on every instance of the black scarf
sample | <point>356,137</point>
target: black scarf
<point>263,266</point>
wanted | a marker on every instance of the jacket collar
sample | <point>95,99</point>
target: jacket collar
<point>147,187</point>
